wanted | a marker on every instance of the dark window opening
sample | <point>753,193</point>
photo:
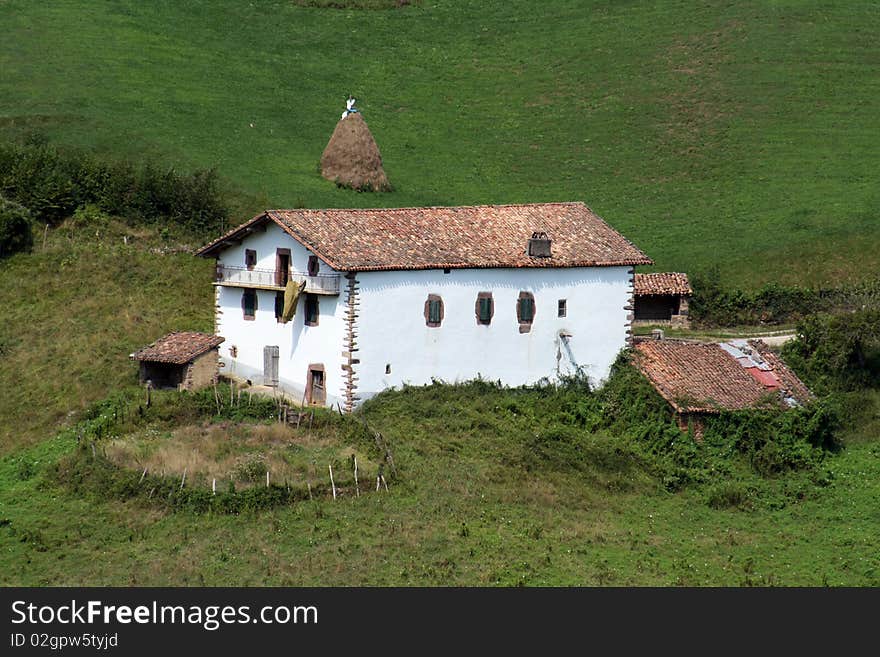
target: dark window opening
<point>250,258</point>
<point>282,267</point>
<point>485,308</point>
<point>388,368</point>
<point>279,305</point>
<point>525,311</point>
<point>249,304</point>
<point>446,270</point>
<point>313,265</point>
<point>562,308</point>
<point>311,313</point>
<point>433,311</point>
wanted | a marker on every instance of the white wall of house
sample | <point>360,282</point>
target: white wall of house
<point>299,345</point>
<point>392,330</point>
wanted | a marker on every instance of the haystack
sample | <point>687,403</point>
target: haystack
<point>352,158</point>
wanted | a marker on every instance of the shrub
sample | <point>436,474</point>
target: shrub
<point>52,183</point>
<point>839,351</point>
<point>15,228</point>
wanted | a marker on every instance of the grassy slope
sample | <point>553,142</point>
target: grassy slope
<point>466,513</point>
<point>74,310</point>
<point>744,129</point>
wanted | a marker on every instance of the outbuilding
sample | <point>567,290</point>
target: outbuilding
<point>662,298</point>
<point>186,360</point>
<point>700,379</point>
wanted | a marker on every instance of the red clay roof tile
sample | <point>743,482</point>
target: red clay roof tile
<point>178,348</point>
<point>450,237</point>
<point>662,283</point>
<point>704,378</point>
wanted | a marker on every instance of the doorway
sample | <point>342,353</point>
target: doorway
<point>316,388</point>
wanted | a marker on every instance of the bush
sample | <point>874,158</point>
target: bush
<point>15,228</point>
<point>52,183</point>
<point>838,352</point>
<point>714,305</point>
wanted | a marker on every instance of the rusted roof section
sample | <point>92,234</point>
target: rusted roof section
<point>697,377</point>
<point>666,282</point>
<point>178,348</point>
<point>484,236</point>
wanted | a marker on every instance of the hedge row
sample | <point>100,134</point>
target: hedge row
<point>52,183</point>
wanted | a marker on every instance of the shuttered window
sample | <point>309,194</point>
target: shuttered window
<point>433,311</point>
<point>485,308</point>
<point>525,311</point>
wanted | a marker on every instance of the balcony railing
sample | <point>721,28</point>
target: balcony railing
<point>270,279</point>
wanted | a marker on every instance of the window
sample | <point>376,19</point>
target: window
<point>279,305</point>
<point>282,267</point>
<point>249,304</point>
<point>311,316</point>
<point>250,258</point>
<point>525,311</point>
<point>485,308</point>
<point>562,308</point>
<point>434,310</point>
<point>313,265</point>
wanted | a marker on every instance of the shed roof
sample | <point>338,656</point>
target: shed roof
<point>710,377</point>
<point>666,282</point>
<point>178,348</point>
<point>449,237</point>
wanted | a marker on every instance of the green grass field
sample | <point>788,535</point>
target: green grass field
<point>472,506</point>
<point>742,134</point>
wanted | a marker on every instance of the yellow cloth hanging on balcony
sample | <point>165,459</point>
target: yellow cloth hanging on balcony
<point>291,296</point>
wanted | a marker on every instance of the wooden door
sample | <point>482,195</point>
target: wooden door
<point>270,365</point>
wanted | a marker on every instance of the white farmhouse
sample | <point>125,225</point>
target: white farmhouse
<point>515,293</point>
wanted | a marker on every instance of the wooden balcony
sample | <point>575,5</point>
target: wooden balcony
<point>270,279</point>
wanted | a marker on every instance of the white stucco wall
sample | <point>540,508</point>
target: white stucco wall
<point>298,345</point>
<point>392,331</point>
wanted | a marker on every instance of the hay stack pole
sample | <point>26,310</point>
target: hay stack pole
<point>352,158</point>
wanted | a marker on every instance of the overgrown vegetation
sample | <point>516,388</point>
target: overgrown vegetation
<point>838,352</point>
<point>15,228</point>
<point>53,183</point>
<point>713,304</point>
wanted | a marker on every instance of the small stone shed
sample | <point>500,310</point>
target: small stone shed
<point>699,379</point>
<point>186,360</point>
<point>662,298</point>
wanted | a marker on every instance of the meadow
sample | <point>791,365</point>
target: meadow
<point>741,134</point>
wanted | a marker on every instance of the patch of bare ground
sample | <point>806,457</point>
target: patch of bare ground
<point>241,454</point>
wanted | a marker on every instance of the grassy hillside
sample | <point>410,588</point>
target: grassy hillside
<point>480,500</point>
<point>740,133</point>
<point>75,309</point>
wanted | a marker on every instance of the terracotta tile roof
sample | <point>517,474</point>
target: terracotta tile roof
<point>706,378</point>
<point>662,283</point>
<point>178,348</point>
<point>450,237</point>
